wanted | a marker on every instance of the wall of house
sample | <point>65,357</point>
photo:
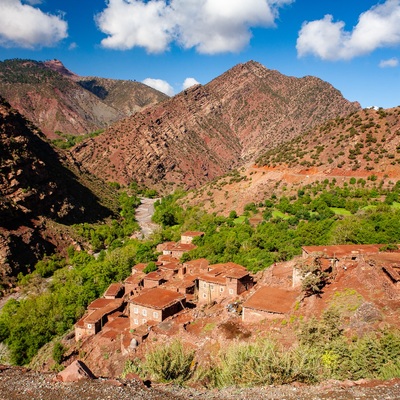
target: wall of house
<point>250,315</point>
<point>139,315</point>
<point>148,283</point>
<point>211,291</point>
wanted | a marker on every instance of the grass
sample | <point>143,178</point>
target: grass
<point>340,211</point>
<point>239,220</point>
<point>279,214</point>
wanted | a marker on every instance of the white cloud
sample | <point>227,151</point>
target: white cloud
<point>378,27</point>
<point>210,26</point>
<point>72,46</point>
<point>188,82</point>
<point>392,62</point>
<point>22,25</point>
<point>159,84</point>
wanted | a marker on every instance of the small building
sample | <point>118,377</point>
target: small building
<point>198,266</point>
<point>177,249</point>
<point>187,237</point>
<point>155,305</point>
<point>97,316</point>
<point>223,281</point>
<point>268,303</point>
<point>134,283</point>
<point>343,251</point>
<point>114,291</point>
<point>155,278</point>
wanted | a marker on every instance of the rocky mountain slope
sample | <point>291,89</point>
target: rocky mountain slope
<point>39,189</point>
<point>56,99</point>
<point>205,131</point>
<point>364,145</point>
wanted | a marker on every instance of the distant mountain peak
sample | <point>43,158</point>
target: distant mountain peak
<point>58,66</point>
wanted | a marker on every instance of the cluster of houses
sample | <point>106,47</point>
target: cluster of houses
<point>146,299</point>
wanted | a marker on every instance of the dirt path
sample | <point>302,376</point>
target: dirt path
<point>143,216</point>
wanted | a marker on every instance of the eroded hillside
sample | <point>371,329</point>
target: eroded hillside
<point>206,131</point>
<point>57,100</point>
<point>39,185</point>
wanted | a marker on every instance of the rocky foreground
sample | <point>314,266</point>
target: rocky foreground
<point>21,384</point>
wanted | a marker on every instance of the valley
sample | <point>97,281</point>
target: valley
<point>247,229</point>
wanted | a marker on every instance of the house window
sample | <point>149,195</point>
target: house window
<point>144,313</point>
<point>204,285</point>
<point>212,287</point>
<point>144,320</point>
<point>89,326</point>
<point>136,310</point>
<point>230,291</point>
<point>155,314</point>
<point>204,295</point>
<point>221,289</point>
<point>136,322</point>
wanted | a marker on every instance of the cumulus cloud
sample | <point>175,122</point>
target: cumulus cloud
<point>392,62</point>
<point>159,84</point>
<point>188,82</point>
<point>209,26</point>
<point>22,25</point>
<point>378,27</point>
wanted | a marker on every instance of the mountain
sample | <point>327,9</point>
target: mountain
<point>364,146</point>
<point>206,131</point>
<point>57,100</point>
<point>41,190</point>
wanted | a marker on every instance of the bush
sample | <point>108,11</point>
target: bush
<point>169,363</point>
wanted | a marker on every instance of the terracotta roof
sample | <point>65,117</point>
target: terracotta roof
<point>171,266</point>
<point>134,279</point>
<point>343,250</point>
<point>193,233</point>
<point>157,298</point>
<point>199,263</point>
<point>113,289</point>
<point>99,303</point>
<point>139,267</point>
<point>219,272</point>
<point>179,246</point>
<point>155,276</point>
<point>108,309</point>
<point>272,299</point>
<point>164,258</point>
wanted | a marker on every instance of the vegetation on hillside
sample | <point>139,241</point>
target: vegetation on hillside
<point>321,352</point>
<point>315,216</point>
<point>66,141</point>
<point>364,139</point>
<point>309,218</point>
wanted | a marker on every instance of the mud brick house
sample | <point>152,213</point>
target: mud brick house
<point>156,278</point>
<point>155,305</point>
<point>268,303</point>
<point>223,281</point>
<point>177,249</point>
<point>198,266</point>
<point>345,251</point>
<point>134,283</point>
<point>331,257</point>
<point>97,316</point>
<point>187,237</point>
<point>114,291</point>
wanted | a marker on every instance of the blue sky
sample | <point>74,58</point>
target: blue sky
<point>354,45</point>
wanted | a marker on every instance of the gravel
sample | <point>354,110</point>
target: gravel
<point>20,384</point>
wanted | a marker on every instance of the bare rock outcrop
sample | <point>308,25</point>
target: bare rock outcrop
<point>75,372</point>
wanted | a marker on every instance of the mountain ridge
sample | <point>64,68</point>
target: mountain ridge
<point>207,130</point>
<point>57,100</point>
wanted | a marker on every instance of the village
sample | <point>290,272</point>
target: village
<point>130,310</point>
